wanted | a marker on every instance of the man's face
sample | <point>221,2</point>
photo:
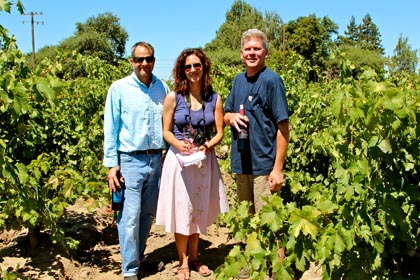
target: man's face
<point>143,62</point>
<point>253,54</point>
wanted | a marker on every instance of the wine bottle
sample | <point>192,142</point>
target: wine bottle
<point>117,196</point>
<point>243,134</point>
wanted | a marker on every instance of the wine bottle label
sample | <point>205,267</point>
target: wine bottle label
<point>243,134</point>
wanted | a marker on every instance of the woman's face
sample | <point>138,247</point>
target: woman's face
<point>193,68</point>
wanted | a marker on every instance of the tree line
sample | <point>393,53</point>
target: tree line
<point>315,39</point>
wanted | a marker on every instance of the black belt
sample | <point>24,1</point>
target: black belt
<point>145,152</point>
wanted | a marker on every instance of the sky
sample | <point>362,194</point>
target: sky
<point>173,25</point>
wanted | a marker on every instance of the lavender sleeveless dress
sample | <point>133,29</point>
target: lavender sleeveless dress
<point>192,197</point>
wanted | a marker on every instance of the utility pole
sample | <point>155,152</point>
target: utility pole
<point>32,14</point>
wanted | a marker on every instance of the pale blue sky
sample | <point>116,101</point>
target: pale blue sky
<point>172,25</point>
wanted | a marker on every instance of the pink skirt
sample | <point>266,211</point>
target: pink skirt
<point>190,198</point>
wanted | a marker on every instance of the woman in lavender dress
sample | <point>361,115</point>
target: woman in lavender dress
<point>191,197</point>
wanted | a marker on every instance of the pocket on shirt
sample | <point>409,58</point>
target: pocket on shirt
<point>254,102</point>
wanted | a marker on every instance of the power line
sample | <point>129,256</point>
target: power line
<point>32,14</point>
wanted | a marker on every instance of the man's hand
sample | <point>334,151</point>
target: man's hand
<point>275,180</point>
<point>114,179</point>
<point>237,120</point>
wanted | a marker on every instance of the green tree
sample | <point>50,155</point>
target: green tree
<point>365,35</point>
<point>360,59</point>
<point>311,37</point>
<point>90,43</point>
<point>272,26</point>
<point>46,51</point>
<point>225,46</point>
<point>351,34</point>
<point>361,44</point>
<point>239,18</point>
<point>369,36</point>
<point>101,36</point>
<point>404,58</point>
<point>108,26</point>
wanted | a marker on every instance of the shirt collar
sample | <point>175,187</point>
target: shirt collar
<point>154,79</point>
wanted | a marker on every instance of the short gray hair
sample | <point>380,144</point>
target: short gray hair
<point>143,44</point>
<point>253,32</point>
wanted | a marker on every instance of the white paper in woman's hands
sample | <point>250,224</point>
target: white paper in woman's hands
<point>187,160</point>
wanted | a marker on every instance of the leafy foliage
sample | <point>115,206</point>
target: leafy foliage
<point>5,40</point>
<point>404,59</point>
<point>369,36</point>
<point>365,35</point>
<point>360,58</point>
<point>6,6</point>
<point>239,18</point>
<point>107,25</point>
<point>311,38</point>
<point>51,147</point>
<point>224,48</point>
<point>101,36</point>
<point>352,194</point>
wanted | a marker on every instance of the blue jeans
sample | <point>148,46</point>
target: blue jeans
<point>142,178</point>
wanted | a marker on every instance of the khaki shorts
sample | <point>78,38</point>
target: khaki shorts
<point>253,188</point>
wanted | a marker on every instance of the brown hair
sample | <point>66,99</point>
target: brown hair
<point>180,79</point>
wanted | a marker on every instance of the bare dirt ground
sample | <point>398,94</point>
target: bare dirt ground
<point>98,255</point>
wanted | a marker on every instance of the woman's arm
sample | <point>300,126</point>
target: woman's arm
<point>168,118</point>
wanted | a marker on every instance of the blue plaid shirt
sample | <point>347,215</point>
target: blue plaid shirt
<point>133,117</point>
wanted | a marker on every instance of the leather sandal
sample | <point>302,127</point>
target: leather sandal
<point>201,268</point>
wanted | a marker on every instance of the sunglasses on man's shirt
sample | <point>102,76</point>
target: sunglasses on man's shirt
<point>140,59</point>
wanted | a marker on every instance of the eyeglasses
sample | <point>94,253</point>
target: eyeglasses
<point>140,59</point>
<point>197,65</point>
